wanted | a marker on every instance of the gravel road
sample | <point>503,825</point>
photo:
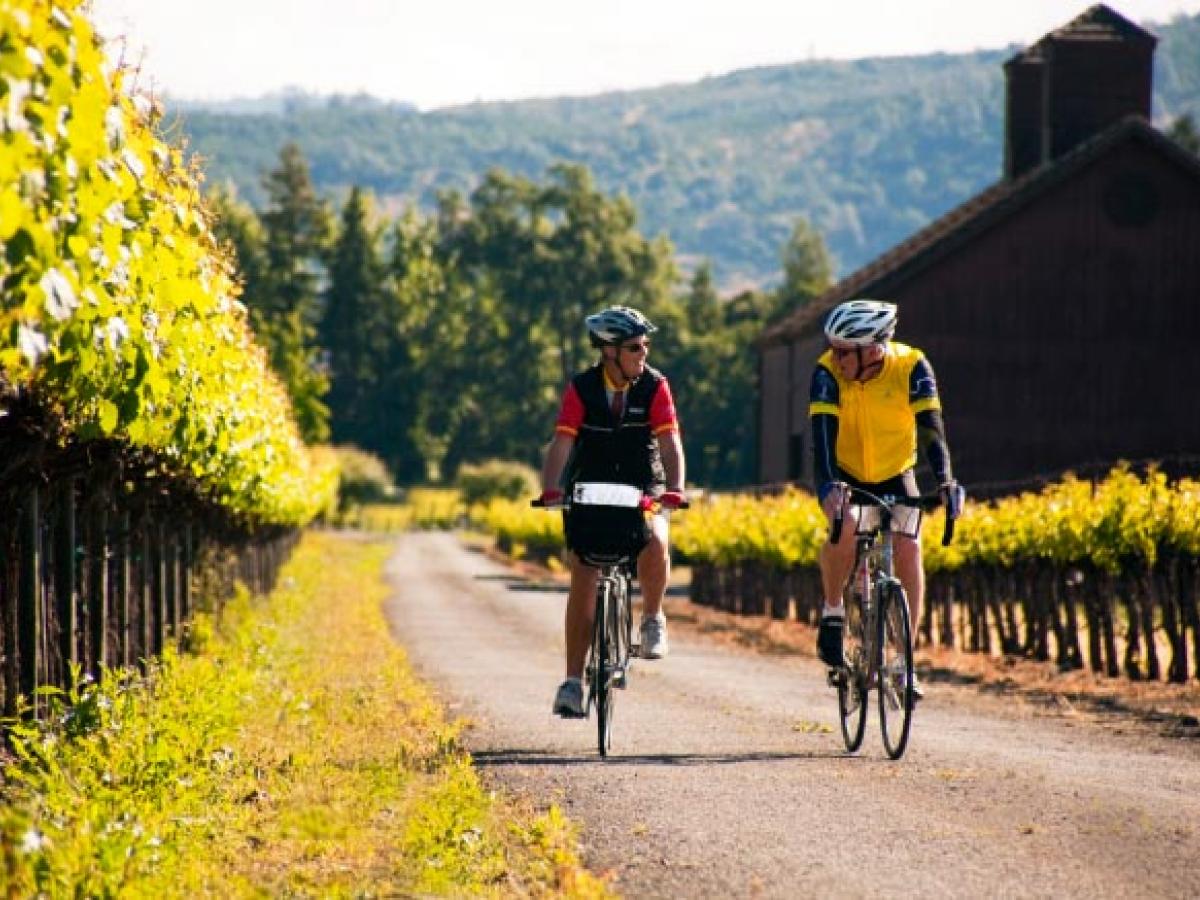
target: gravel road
<point>729,778</point>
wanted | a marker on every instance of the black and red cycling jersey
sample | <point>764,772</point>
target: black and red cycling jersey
<point>625,451</point>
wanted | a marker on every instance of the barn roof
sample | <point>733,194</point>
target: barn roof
<point>1096,23</point>
<point>964,223</point>
<point>1100,22</point>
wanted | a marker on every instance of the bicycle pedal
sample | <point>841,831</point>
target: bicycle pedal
<point>621,679</point>
<point>836,677</point>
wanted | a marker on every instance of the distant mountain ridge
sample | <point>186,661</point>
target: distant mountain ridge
<point>868,150</point>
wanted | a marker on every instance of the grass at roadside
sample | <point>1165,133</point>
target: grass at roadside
<point>294,754</point>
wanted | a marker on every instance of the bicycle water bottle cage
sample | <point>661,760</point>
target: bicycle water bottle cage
<point>605,524</point>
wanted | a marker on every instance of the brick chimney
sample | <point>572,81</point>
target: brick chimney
<point>1074,83</point>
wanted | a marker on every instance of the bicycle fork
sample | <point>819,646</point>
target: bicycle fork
<point>613,672</point>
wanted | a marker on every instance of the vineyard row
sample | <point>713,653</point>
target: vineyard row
<point>104,565</point>
<point>1101,575</point>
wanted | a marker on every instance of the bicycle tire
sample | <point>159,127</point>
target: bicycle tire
<point>623,617</point>
<point>895,662</point>
<point>852,681</point>
<point>626,619</point>
<point>602,640</point>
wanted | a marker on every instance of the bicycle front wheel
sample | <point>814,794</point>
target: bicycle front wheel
<point>852,681</point>
<point>895,670</point>
<point>604,639</point>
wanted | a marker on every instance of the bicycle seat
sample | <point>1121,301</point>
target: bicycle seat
<point>604,560</point>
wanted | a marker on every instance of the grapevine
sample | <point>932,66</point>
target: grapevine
<point>119,312</point>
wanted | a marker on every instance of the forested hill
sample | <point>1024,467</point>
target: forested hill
<point>868,150</point>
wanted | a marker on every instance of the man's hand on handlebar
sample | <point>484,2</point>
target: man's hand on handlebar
<point>550,497</point>
<point>834,496</point>
<point>953,498</point>
<point>672,499</point>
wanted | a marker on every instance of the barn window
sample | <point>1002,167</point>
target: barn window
<point>1130,200</point>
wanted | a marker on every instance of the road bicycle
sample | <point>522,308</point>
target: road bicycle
<point>619,511</point>
<point>878,646</point>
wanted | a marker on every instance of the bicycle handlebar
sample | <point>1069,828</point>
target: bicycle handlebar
<point>537,503</point>
<point>859,497</point>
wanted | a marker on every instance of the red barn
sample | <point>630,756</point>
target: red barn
<point>1061,306</point>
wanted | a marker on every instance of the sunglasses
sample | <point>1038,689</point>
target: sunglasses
<point>839,352</point>
<point>641,347</point>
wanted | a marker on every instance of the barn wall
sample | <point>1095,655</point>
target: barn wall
<point>1065,336</point>
<point>773,414</point>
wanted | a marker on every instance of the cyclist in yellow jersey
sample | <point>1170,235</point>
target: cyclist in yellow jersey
<point>872,401</point>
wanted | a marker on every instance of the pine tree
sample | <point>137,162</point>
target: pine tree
<point>297,232</point>
<point>355,329</point>
<point>1183,130</point>
<point>237,226</point>
<point>299,228</point>
<point>703,304</point>
<point>807,269</point>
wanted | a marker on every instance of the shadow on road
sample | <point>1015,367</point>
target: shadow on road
<point>490,758</point>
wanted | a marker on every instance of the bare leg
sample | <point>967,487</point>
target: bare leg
<point>836,561</point>
<point>654,568</point>
<point>912,577</point>
<point>581,609</point>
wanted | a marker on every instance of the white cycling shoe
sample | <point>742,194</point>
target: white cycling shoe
<point>568,702</point>
<point>654,637</point>
<point>918,690</point>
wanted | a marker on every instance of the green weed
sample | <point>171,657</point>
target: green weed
<point>292,753</point>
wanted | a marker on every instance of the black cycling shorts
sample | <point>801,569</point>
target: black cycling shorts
<point>903,485</point>
<point>906,520</point>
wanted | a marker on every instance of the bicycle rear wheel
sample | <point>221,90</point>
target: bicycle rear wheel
<point>852,681</point>
<point>895,670</point>
<point>604,636</point>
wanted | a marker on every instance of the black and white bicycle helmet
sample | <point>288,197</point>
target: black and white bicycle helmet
<point>860,323</point>
<point>616,324</point>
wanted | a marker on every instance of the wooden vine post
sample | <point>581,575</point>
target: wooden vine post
<point>30,619</point>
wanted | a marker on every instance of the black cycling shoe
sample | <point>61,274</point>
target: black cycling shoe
<point>829,641</point>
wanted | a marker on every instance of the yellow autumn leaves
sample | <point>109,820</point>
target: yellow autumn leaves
<point>119,309</point>
<point>1123,522</point>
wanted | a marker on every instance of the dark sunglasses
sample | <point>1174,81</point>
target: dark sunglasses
<point>641,347</point>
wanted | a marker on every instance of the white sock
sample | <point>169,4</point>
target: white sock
<point>834,612</point>
<point>662,617</point>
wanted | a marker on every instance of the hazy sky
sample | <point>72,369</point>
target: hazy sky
<point>443,52</point>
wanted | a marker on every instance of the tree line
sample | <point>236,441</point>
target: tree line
<point>868,150</point>
<point>434,339</point>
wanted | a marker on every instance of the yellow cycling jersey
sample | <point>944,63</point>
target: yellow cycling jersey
<point>877,428</point>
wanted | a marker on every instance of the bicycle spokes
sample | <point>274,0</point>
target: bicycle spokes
<point>895,670</point>
<point>851,681</point>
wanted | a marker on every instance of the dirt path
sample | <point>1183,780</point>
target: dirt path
<point>729,777</point>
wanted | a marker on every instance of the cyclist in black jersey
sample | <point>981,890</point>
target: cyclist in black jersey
<point>617,424</point>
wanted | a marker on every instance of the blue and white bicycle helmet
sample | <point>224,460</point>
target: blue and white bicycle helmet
<point>616,324</point>
<point>860,323</point>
